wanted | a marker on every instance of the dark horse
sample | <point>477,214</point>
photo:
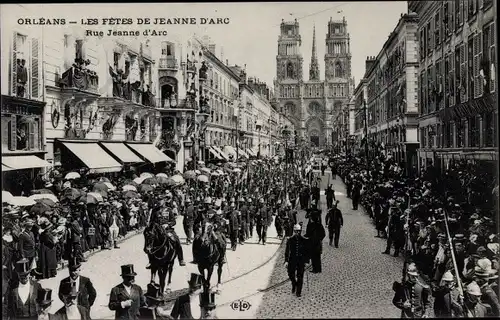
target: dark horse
<point>207,253</point>
<point>161,249</point>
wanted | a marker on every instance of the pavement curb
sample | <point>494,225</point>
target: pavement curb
<point>91,253</point>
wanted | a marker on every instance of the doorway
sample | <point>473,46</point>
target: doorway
<point>315,141</point>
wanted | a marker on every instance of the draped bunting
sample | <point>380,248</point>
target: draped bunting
<point>484,104</point>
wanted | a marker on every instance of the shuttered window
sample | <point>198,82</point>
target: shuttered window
<point>437,28</point>
<point>463,74</point>
<point>35,77</point>
<point>458,13</point>
<point>478,79</point>
<point>430,44</point>
<point>471,69</point>
<point>19,52</point>
<point>488,47</point>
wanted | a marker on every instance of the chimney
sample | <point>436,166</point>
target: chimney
<point>369,63</point>
<point>227,62</point>
<point>211,48</point>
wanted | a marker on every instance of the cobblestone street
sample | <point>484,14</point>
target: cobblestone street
<point>103,268</point>
<point>356,280</point>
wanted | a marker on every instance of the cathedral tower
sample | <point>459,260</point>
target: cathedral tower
<point>289,70</point>
<point>314,67</point>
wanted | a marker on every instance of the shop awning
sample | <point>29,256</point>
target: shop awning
<point>229,150</point>
<point>10,163</point>
<point>94,157</point>
<point>214,153</point>
<point>221,153</point>
<point>121,151</point>
<point>241,152</point>
<point>150,152</point>
<point>251,153</point>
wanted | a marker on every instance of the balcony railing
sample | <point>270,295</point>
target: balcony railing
<point>168,63</point>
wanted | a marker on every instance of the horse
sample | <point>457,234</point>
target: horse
<point>162,251</point>
<point>207,253</point>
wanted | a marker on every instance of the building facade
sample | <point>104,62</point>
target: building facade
<point>314,104</point>
<point>457,83</point>
<point>387,97</point>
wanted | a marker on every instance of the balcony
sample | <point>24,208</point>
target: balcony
<point>80,78</point>
<point>168,63</point>
<point>174,104</point>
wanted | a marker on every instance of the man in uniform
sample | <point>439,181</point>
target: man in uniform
<point>315,232</point>
<point>314,210</point>
<point>334,222</point>
<point>296,258</point>
<point>289,219</point>
<point>278,219</point>
<point>412,297</point>
<point>251,216</point>
<point>188,221</point>
<point>330,196</point>
<point>201,216</point>
<point>167,221</point>
<point>232,217</point>
<point>245,217</point>
<point>264,220</point>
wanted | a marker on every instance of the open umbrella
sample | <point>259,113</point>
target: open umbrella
<point>44,196</point>
<point>129,187</point>
<point>110,186</point>
<point>102,192</point>
<point>161,179</point>
<point>48,202</point>
<point>205,170</point>
<point>72,175</point>
<point>22,201</point>
<point>203,178</point>
<point>139,180</point>
<point>94,197</point>
<point>215,173</point>
<point>100,186</point>
<point>104,179</point>
<point>145,187</point>
<point>197,171</point>
<point>161,174</point>
<point>71,194</point>
<point>150,181</point>
<point>40,208</point>
<point>7,196</point>
<point>146,175</point>
<point>42,191</point>
<point>189,175</point>
<point>130,194</point>
<point>178,178</point>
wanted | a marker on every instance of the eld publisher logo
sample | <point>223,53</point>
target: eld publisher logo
<point>240,305</point>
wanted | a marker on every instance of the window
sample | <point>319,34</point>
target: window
<point>478,79</point>
<point>458,13</point>
<point>459,129</point>
<point>488,63</point>
<point>422,43</point>
<point>471,65</point>
<point>489,136</point>
<point>473,128</point>
<point>437,29</point>
<point>25,67</point>
<point>430,44</point>
<point>446,20</point>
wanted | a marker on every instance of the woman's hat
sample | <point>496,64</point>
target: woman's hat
<point>473,289</point>
<point>483,269</point>
<point>153,292</point>
<point>447,276</point>
<point>196,281</point>
<point>128,270</point>
<point>23,267</point>
<point>44,296</point>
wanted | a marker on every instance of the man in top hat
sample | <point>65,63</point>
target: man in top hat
<point>296,257</point>
<point>154,300</point>
<point>334,221</point>
<point>208,305</point>
<point>71,309</point>
<point>188,305</point>
<point>21,293</point>
<point>412,297</point>
<point>188,221</point>
<point>44,302</point>
<point>127,298</point>
<point>84,287</point>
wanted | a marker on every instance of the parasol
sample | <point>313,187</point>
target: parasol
<point>162,175</point>
<point>7,196</point>
<point>205,170</point>
<point>94,197</point>
<point>44,196</point>
<point>48,202</point>
<point>203,178</point>
<point>139,180</point>
<point>72,175</point>
<point>130,194</point>
<point>110,186</point>
<point>189,175</point>
<point>104,179</point>
<point>197,171</point>
<point>150,181</point>
<point>145,187</point>
<point>215,174</point>
<point>161,179</point>
<point>100,186</point>
<point>129,187</point>
<point>178,179</point>
<point>71,194</point>
<point>145,175</point>
<point>22,201</point>
<point>40,208</point>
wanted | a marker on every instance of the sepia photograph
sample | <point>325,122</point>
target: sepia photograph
<point>250,160</point>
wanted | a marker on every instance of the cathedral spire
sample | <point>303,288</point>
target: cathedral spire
<point>314,67</point>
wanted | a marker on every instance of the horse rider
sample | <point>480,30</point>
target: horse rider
<point>218,223</point>
<point>166,219</point>
<point>201,216</point>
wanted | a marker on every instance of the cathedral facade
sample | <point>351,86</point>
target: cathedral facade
<point>313,104</point>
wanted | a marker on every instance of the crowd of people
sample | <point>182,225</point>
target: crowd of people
<point>443,221</point>
<point>77,213</point>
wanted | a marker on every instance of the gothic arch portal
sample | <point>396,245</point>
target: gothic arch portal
<point>315,131</point>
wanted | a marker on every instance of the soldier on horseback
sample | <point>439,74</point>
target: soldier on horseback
<point>166,219</point>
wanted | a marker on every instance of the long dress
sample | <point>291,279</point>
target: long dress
<point>47,262</point>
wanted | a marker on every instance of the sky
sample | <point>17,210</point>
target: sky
<point>251,36</point>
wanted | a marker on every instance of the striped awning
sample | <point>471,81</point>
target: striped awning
<point>10,163</point>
